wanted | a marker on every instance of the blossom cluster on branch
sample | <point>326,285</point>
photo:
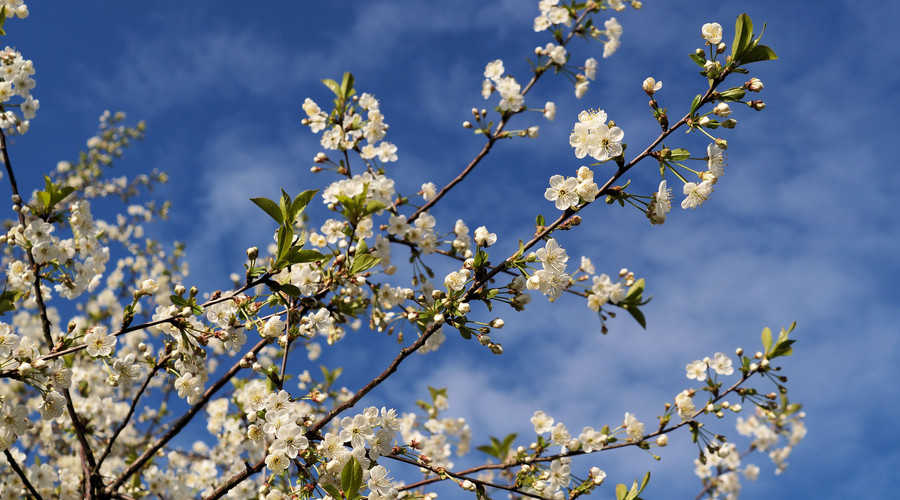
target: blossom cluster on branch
<point>100,320</point>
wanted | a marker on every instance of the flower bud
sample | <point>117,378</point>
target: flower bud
<point>320,157</point>
<point>729,123</point>
<point>179,289</point>
<point>722,109</point>
<point>438,318</point>
<point>252,253</point>
<point>497,323</point>
<point>720,48</point>
<point>754,85</point>
<point>464,308</point>
<point>467,124</point>
<point>757,105</point>
<point>532,131</point>
<point>496,348</point>
<point>651,86</point>
<point>662,440</point>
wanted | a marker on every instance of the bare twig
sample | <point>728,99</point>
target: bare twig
<point>156,367</point>
<point>18,470</point>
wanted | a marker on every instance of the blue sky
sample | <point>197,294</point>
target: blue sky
<point>800,228</point>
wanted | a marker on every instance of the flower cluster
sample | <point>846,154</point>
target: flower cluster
<point>593,136</point>
<point>552,279</point>
<point>569,192</point>
<point>511,98</point>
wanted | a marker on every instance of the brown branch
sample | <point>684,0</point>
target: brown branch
<point>496,135</point>
<point>183,421</point>
<point>134,403</point>
<point>235,480</point>
<point>18,470</point>
<point>550,458</point>
<point>606,186</point>
<point>441,472</point>
<point>80,432</point>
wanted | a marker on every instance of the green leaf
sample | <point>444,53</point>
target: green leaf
<point>351,478</point>
<point>373,206</point>
<point>44,198</point>
<point>679,154</point>
<point>697,58</point>
<point>346,84</point>
<point>695,103</point>
<point>363,262</point>
<point>291,290</point>
<point>758,53</point>
<point>621,491</point>
<point>7,301</point>
<point>179,301</point>
<point>539,221</point>
<point>766,339</point>
<point>636,314</point>
<point>333,491</point>
<point>743,32</point>
<point>285,238</point>
<point>480,258</point>
<point>782,349</point>
<point>644,482</point>
<point>298,256</point>
<point>333,86</point>
<point>270,207</point>
<point>301,201</point>
<point>734,94</point>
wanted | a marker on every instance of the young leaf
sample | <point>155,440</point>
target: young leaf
<point>270,207</point>
<point>743,32</point>
<point>333,86</point>
<point>285,238</point>
<point>696,103</point>
<point>301,201</point>
<point>697,58</point>
<point>679,154</point>
<point>636,314</point>
<point>621,491</point>
<point>758,53</point>
<point>351,478</point>
<point>346,84</point>
<point>363,262</point>
<point>766,339</point>
<point>298,256</point>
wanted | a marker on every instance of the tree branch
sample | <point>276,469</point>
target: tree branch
<point>18,470</point>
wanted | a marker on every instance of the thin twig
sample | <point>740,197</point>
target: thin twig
<point>442,472</point>
<point>18,470</point>
<point>134,403</point>
<point>183,421</point>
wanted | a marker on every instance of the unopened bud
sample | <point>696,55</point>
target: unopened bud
<point>464,308</point>
<point>320,157</point>
<point>757,105</point>
<point>754,85</point>
<point>497,323</point>
<point>467,124</point>
<point>720,48</point>
<point>662,440</point>
<point>496,348</point>
<point>739,351</point>
<point>179,289</point>
<point>532,131</point>
<point>252,253</point>
<point>722,109</point>
<point>729,123</point>
<point>438,318</point>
